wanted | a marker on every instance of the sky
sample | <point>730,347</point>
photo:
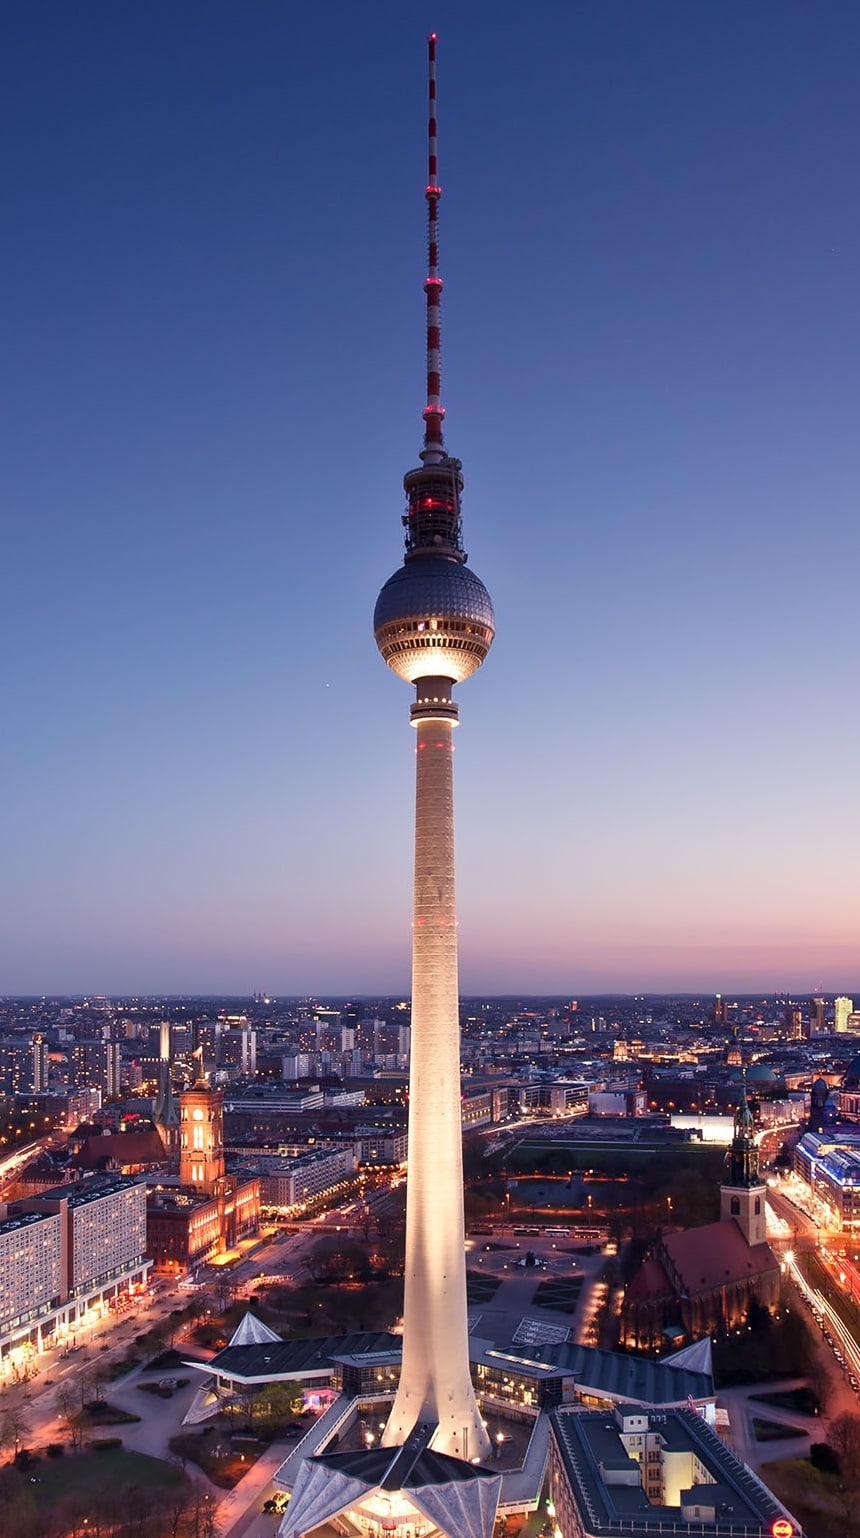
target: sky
<point>213,321</point>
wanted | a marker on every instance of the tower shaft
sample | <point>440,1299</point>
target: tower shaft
<point>435,1380</point>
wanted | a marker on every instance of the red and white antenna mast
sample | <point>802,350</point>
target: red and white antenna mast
<point>434,411</point>
<point>432,517</point>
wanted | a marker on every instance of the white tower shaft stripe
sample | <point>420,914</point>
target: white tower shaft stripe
<point>435,1381</point>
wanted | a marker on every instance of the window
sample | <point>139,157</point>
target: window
<point>735,1206</point>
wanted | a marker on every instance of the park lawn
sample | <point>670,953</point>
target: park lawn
<point>90,1474</point>
<point>801,1399</point>
<point>774,1431</point>
<point>812,1497</point>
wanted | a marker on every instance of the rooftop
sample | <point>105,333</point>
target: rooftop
<point>589,1441</point>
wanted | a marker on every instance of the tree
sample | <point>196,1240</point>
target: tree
<point>66,1406</point>
<point>819,1381</point>
<point>279,1404</point>
<point>13,1428</point>
<point>844,1438</point>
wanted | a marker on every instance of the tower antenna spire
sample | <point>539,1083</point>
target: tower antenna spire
<point>433,489</point>
<point>434,412</point>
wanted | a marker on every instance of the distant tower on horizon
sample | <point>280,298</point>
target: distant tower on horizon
<point>434,625</point>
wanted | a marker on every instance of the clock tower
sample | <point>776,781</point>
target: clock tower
<point>201,1129</point>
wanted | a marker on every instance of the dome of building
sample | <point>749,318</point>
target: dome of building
<point>761,1073</point>
<point>434,618</point>
<point>852,1075</point>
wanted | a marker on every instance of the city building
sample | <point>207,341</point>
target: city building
<point>23,1065</point>
<point>97,1063</point>
<point>648,1472</point>
<point>843,1009</point>
<point>817,1015</point>
<point>67,1255</point>
<point>828,1163</point>
<point>206,1212</point>
<point>63,1109</point>
<point>293,1179</point>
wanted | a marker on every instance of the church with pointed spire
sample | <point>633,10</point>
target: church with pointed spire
<point>742,1196</point>
<point>165,1114</point>
<point>703,1281</point>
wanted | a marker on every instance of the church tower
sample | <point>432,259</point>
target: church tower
<point>165,1114</point>
<point>201,1151</point>
<point>742,1197</point>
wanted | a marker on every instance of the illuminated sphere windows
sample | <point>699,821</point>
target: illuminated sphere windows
<point>434,619</point>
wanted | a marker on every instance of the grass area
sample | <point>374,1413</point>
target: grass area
<point>480,1288</point>
<point>562,1293</point>
<point>90,1474</point>
<point>800,1400</point>
<point>773,1431</point>
<point>99,1413</point>
<point>813,1498</point>
<point>120,1366</point>
<point>332,1309</point>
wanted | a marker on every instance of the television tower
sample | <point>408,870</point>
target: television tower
<point>434,625</point>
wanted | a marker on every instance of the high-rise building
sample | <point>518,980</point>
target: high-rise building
<point>793,1018</point>
<point>66,1252</point>
<point>843,1008</point>
<point>97,1062</point>
<point>23,1065</point>
<point>816,1015</point>
<point>434,626</point>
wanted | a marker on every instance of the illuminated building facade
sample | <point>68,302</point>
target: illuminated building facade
<point>829,1163</point>
<point>68,1254</point>
<point>209,1211</point>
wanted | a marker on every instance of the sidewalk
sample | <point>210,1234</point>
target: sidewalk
<point>240,1508</point>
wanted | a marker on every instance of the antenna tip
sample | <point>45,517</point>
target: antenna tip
<point>433,37</point>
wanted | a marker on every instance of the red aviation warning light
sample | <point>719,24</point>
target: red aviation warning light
<point>782,1528</point>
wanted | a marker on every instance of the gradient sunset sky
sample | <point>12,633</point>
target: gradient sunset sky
<point>212,311</point>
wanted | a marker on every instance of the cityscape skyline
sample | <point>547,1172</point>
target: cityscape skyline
<point>652,251</point>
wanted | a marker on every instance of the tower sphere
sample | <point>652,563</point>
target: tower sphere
<point>434,619</point>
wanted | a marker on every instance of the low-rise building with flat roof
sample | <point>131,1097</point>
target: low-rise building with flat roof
<point>635,1471</point>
